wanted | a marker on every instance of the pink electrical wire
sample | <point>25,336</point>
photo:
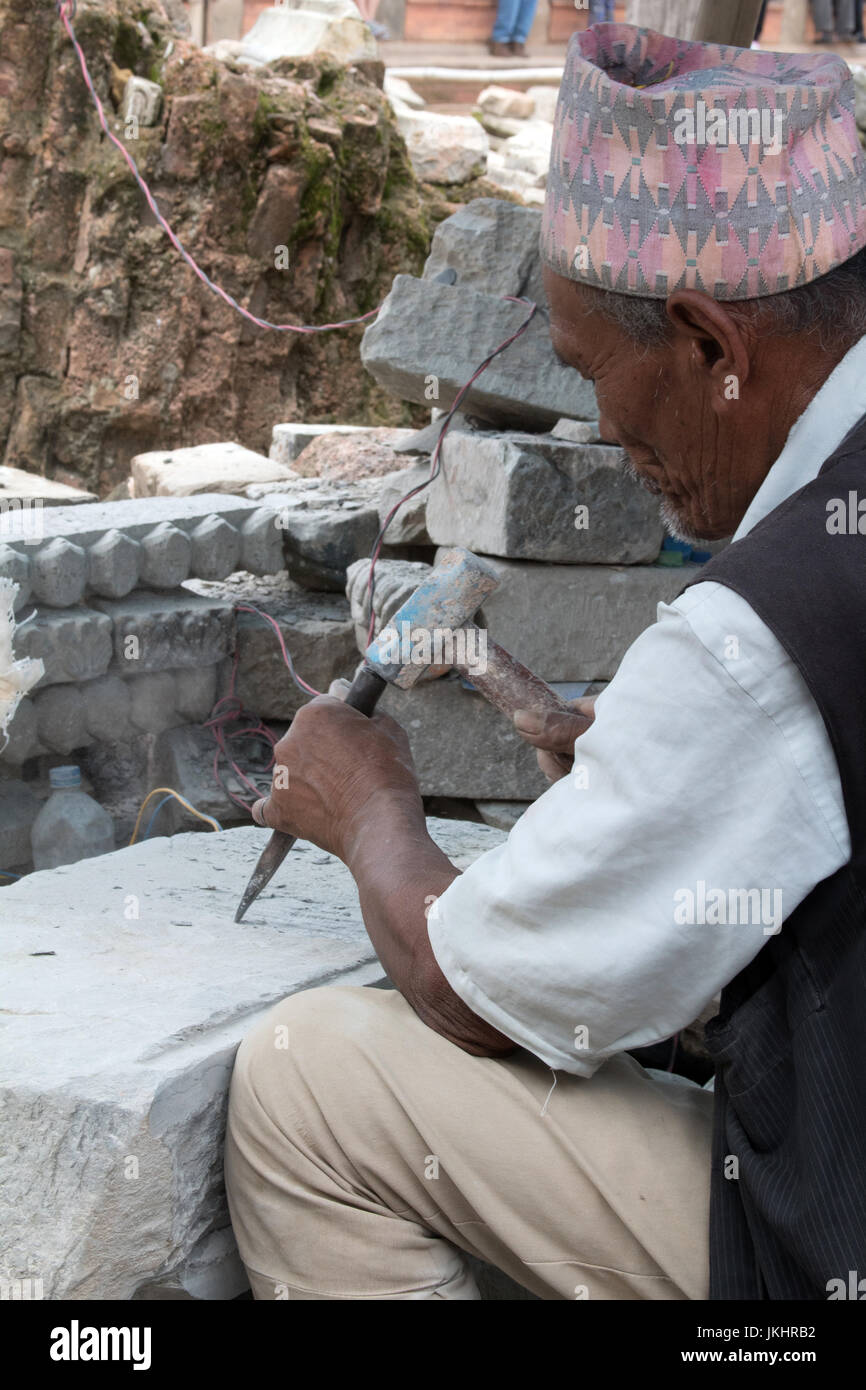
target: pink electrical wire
<point>66,10</point>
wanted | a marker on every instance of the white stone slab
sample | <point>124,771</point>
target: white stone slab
<point>118,1037</point>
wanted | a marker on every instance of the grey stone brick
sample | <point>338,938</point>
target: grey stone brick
<point>216,548</point>
<point>319,636</point>
<point>165,557</point>
<point>430,338</point>
<point>195,692</point>
<point>19,807</point>
<point>492,246</point>
<point>23,735</point>
<point>114,562</point>
<point>262,542</point>
<point>15,565</point>
<point>325,526</point>
<point>576,622</point>
<point>74,643</point>
<point>152,702</point>
<point>515,495</point>
<point>61,718</point>
<point>162,632</point>
<point>58,573</point>
<point>107,703</point>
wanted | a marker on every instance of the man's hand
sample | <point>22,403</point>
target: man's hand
<point>330,768</point>
<point>554,734</point>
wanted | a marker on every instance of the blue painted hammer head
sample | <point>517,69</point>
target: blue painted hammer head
<point>447,600</point>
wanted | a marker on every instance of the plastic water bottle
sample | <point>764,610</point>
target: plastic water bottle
<point>71,825</point>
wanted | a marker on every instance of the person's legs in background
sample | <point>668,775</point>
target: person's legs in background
<point>845,21</point>
<point>858,20</point>
<point>823,19</point>
<point>506,19</point>
<point>601,11</point>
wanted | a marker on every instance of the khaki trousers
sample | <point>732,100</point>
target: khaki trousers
<point>365,1153</point>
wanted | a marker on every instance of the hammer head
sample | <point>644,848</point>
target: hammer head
<point>448,599</point>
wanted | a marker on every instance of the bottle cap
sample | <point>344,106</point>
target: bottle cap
<point>65,777</point>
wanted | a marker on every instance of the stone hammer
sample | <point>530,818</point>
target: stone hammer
<point>432,629</point>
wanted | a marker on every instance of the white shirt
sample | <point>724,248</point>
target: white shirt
<point>588,932</point>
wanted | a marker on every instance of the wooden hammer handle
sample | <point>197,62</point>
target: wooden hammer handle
<point>510,686</point>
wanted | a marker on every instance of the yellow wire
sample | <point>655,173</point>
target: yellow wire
<point>170,791</point>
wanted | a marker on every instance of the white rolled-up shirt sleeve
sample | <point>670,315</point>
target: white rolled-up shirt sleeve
<point>707,762</point>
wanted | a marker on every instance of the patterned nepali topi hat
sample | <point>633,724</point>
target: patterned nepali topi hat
<point>678,164</point>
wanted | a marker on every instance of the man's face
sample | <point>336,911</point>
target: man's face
<point>662,406</point>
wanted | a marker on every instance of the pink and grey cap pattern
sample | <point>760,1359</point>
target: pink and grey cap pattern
<point>678,164</point>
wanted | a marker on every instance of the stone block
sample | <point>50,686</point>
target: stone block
<point>58,573</point>
<point>408,526</point>
<point>262,542</point>
<point>217,468</point>
<point>502,815</point>
<point>216,548</point>
<point>16,484</point>
<point>183,758</point>
<point>289,440</point>
<point>166,552</point>
<point>395,582</point>
<point>114,563</point>
<point>506,101</point>
<point>120,1046</point>
<point>443,149</point>
<point>19,807</point>
<point>491,245</point>
<point>15,565</point>
<point>195,692</point>
<point>300,28</point>
<point>325,526</point>
<point>319,636</point>
<point>353,458</point>
<point>430,338</point>
<point>152,702</point>
<point>108,708</point>
<point>164,632</point>
<point>576,622</point>
<point>74,644</point>
<point>61,718</point>
<point>529,149</point>
<point>398,89</point>
<point>23,736</point>
<point>544,102</point>
<point>461,745</point>
<point>533,497</point>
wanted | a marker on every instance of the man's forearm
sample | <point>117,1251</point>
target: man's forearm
<point>400,871</point>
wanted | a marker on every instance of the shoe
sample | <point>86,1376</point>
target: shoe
<point>825,38</point>
<point>519,50</point>
<point>499,50</point>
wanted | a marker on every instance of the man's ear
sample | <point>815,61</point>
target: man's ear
<point>718,343</point>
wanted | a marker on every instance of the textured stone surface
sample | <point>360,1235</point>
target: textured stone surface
<point>166,552</point>
<point>151,702</point>
<point>183,758</point>
<point>319,636</point>
<point>107,703</point>
<point>517,495</point>
<point>15,565</point>
<point>576,622</point>
<point>429,339</point>
<point>443,149</point>
<point>300,28</point>
<point>161,632</point>
<point>19,807</point>
<point>17,483</point>
<point>114,565</point>
<point>490,244</point>
<point>408,526</point>
<point>225,467</point>
<point>348,458</point>
<point>291,438</point>
<point>324,527</point>
<point>216,548</point>
<point>75,644</point>
<point>461,745</point>
<point>58,573</point>
<point>506,101</point>
<point>529,149</point>
<point>23,735</point>
<point>142,101</point>
<point>502,815</point>
<point>262,542</point>
<point>61,718</point>
<point>115,349</point>
<point>118,1048</point>
<point>396,581</point>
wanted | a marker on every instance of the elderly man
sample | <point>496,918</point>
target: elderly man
<point>712,835</point>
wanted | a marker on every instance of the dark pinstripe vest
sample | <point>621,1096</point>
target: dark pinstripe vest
<point>788,1203</point>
